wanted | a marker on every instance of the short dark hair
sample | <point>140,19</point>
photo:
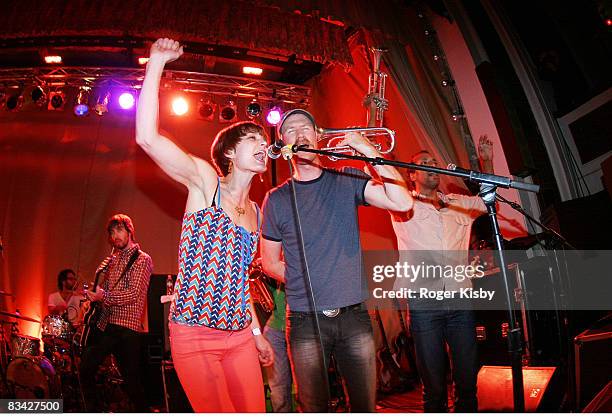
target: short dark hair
<point>62,276</point>
<point>227,139</point>
<point>413,158</point>
<point>123,220</point>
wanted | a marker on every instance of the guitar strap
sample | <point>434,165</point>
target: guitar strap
<point>131,261</point>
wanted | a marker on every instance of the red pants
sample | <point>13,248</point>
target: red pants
<point>219,370</point>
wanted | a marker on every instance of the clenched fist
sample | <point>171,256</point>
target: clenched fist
<point>166,50</point>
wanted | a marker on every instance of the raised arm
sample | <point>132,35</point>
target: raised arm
<point>390,193</point>
<point>179,165</point>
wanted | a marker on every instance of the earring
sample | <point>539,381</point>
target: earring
<point>261,178</point>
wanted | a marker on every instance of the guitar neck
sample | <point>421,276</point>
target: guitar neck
<point>96,281</point>
<point>382,329</point>
<point>401,318</point>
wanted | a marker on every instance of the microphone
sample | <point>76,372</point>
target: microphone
<point>274,150</point>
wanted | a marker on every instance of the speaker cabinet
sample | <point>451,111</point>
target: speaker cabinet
<point>542,330</point>
<point>495,389</point>
<point>158,312</point>
<point>593,366</point>
<point>602,403</point>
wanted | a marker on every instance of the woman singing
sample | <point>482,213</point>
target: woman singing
<point>214,334</point>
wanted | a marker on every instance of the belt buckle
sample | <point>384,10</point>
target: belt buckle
<point>331,313</point>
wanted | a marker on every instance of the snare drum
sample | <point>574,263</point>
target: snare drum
<point>24,346</point>
<point>29,377</point>
<point>56,331</point>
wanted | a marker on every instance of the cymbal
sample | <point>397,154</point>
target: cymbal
<point>18,316</point>
<point>3,293</point>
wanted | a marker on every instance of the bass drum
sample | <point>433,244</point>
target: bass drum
<point>30,378</point>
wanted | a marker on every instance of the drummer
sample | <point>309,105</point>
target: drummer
<point>67,300</point>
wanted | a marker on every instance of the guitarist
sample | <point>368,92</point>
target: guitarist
<point>120,303</point>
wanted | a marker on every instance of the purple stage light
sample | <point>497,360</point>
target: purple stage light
<point>126,100</point>
<point>274,115</point>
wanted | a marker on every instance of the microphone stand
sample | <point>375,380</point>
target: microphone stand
<point>287,154</point>
<point>532,219</point>
<point>488,191</point>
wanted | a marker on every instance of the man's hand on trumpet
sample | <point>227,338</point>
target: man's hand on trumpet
<point>359,143</point>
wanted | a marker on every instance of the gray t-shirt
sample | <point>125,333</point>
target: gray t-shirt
<point>328,213</point>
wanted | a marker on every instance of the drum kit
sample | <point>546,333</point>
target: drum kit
<point>26,371</point>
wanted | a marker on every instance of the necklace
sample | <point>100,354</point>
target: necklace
<point>240,210</point>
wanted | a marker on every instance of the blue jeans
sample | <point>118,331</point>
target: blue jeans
<point>431,331</point>
<point>279,374</point>
<point>349,338</point>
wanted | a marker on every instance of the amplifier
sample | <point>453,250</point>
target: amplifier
<point>592,349</point>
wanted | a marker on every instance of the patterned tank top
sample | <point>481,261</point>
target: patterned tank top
<point>212,287</point>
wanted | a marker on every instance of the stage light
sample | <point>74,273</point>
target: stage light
<point>228,113</point>
<point>206,108</point>
<point>38,95</point>
<point>143,60</point>
<point>126,100</point>
<point>180,106</point>
<point>101,106</point>
<point>81,106</point>
<point>14,102</point>
<point>609,22</point>
<point>253,109</point>
<point>274,115</point>
<point>457,115</point>
<point>53,59</point>
<point>252,71</point>
<point>56,101</point>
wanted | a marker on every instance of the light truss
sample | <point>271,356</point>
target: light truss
<point>214,84</point>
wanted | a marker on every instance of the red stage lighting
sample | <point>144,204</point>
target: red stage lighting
<point>57,100</point>
<point>206,109</point>
<point>228,112</point>
<point>53,59</point>
<point>252,71</point>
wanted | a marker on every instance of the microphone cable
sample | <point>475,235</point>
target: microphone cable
<point>308,281</point>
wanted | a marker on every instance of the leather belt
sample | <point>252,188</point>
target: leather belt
<point>332,313</point>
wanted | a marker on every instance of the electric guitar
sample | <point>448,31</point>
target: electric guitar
<point>390,376</point>
<point>92,315</point>
<point>404,349</point>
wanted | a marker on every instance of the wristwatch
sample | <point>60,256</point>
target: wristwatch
<point>256,331</point>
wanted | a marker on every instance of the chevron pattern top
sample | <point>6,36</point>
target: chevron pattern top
<point>212,287</point>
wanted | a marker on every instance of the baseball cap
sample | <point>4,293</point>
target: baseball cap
<point>308,115</point>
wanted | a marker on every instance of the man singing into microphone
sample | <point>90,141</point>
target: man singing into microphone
<point>327,203</point>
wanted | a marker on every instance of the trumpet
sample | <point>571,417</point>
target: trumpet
<point>375,101</point>
<point>257,287</point>
<point>382,138</point>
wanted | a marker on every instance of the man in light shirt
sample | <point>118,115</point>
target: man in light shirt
<point>439,227</point>
<point>67,300</point>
